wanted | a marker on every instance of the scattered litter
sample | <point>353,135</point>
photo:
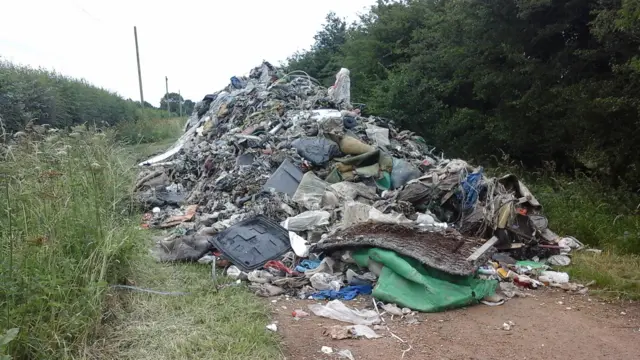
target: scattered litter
<point>336,310</point>
<point>299,313</point>
<point>392,309</point>
<point>346,354</point>
<point>272,327</point>
<point>508,325</point>
<point>339,332</point>
<point>326,350</point>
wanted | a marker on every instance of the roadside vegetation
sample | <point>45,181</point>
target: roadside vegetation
<point>47,97</point>
<point>146,131</point>
<point>68,230</point>
<point>65,234</point>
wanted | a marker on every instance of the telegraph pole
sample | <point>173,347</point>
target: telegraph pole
<point>166,83</point>
<point>135,35</point>
<point>180,101</point>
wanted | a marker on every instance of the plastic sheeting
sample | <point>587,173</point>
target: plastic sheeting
<point>336,310</point>
<point>406,282</point>
<point>311,191</point>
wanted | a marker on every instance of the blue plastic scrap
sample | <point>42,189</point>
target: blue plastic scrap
<point>237,83</point>
<point>470,189</point>
<point>307,265</point>
<point>346,293</point>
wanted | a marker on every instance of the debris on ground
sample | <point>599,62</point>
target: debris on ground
<point>288,186</point>
<point>508,325</point>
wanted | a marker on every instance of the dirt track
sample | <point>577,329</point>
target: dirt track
<point>579,328</point>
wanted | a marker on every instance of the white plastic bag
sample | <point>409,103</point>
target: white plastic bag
<point>299,245</point>
<point>554,277</point>
<point>336,310</point>
<point>379,135</point>
<point>340,92</point>
<point>559,260</point>
<point>324,281</point>
<point>307,220</point>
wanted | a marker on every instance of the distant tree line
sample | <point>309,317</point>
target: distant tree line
<point>548,82</point>
<point>47,97</point>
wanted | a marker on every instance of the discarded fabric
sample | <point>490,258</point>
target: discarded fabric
<point>346,293</point>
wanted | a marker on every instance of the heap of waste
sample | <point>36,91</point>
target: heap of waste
<point>286,185</point>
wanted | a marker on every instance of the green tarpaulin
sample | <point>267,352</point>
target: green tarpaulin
<point>407,283</point>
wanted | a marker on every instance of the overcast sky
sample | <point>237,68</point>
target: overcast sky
<point>198,44</point>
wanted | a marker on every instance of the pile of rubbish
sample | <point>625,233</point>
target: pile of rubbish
<point>286,185</point>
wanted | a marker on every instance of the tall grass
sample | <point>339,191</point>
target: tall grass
<point>65,234</point>
<point>149,130</point>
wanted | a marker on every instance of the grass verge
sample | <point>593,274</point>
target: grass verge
<point>205,324</point>
<point>65,234</point>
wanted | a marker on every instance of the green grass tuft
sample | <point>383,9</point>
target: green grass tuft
<point>149,130</point>
<point>65,234</point>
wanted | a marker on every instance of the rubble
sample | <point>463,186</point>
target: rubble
<point>305,196</point>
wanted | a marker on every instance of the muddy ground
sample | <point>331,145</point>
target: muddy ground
<point>548,325</point>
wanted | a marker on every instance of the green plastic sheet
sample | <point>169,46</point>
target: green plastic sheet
<point>408,283</point>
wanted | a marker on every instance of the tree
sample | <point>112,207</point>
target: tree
<point>318,61</point>
<point>174,102</point>
<point>187,107</point>
<point>545,81</point>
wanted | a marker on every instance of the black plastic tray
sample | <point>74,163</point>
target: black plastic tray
<point>251,243</point>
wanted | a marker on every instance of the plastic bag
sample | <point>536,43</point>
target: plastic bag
<point>324,281</point>
<point>317,150</point>
<point>378,134</point>
<point>307,220</point>
<point>340,92</point>
<point>559,260</point>
<point>336,310</point>
<point>402,173</point>
<point>554,277</point>
<point>310,192</point>
<point>299,245</point>
<point>350,191</point>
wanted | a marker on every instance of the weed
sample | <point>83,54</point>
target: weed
<point>65,233</point>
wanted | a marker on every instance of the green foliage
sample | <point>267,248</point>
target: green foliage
<point>50,98</point>
<point>5,339</point>
<point>65,234</point>
<point>175,100</point>
<point>542,80</point>
<point>149,130</point>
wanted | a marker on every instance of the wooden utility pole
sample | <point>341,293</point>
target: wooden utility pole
<point>135,35</point>
<point>166,84</point>
<point>180,101</point>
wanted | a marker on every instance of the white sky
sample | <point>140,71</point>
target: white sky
<point>198,44</point>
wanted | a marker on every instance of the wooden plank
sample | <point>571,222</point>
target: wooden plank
<point>476,254</point>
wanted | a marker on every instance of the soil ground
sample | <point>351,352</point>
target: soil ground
<point>548,325</point>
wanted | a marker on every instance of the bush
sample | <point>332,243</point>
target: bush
<point>65,234</point>
<point>50,98</point>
